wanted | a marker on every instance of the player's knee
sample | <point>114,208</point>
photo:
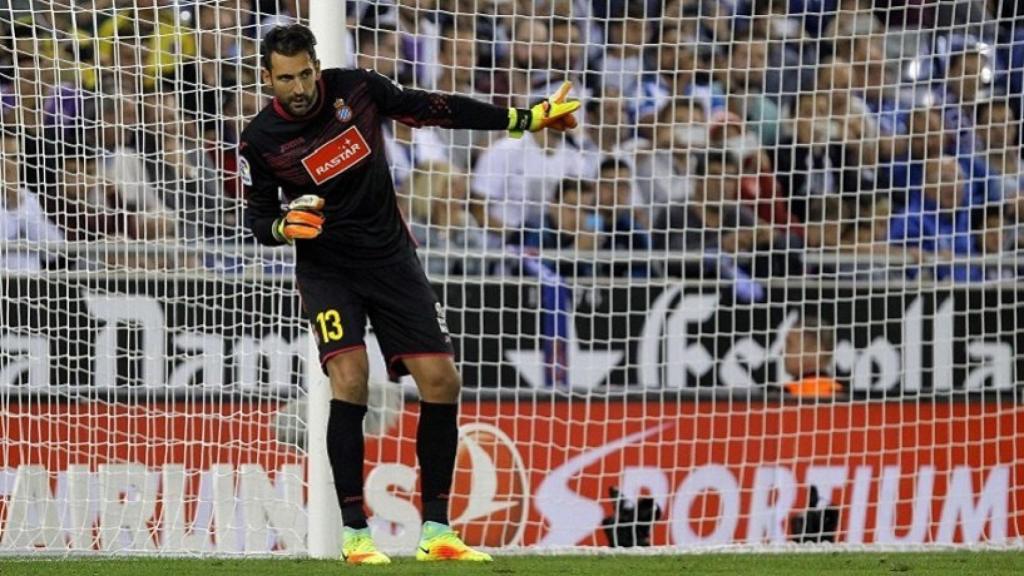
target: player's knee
<point>349,379</point>
<point>443,387</point>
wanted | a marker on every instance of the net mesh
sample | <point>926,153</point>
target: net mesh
<point>763,294</point>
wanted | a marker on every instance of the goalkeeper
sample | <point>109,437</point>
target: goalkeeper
<point>320,143</point>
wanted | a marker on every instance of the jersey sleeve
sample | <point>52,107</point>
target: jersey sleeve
<point>262,203</point>
<point>421,108</point>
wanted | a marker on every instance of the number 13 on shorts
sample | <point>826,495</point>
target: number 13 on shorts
<point>329,323</point>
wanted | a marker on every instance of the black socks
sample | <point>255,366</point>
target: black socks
<point>346,452</point>
<point>437,439</point>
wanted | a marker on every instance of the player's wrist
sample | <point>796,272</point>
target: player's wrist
<point>519,120</point>
<point>277,229</point>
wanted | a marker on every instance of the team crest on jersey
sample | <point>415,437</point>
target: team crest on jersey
<point>343,111</point>
<point>336,155</point>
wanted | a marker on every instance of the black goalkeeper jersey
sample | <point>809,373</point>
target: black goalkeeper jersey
<point>337,152</point>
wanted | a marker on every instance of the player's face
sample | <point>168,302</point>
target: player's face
<point>293,80</point>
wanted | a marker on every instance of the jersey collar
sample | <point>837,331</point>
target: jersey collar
<point>321,96</point>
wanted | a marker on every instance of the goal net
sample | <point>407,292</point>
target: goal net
<point>763,296</point>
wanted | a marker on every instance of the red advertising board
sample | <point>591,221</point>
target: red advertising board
<point>539,473</point>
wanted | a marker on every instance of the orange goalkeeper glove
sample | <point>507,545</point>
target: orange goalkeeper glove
<point>303,221</point>
<point>553,113</point>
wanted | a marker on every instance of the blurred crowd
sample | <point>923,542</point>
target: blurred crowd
<point>744,138</point>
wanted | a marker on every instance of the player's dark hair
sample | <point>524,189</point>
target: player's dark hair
<point>287,40</point>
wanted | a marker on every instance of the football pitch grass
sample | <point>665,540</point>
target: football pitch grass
<point>830,564</point>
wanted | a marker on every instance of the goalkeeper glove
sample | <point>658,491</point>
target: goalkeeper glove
<point>554,113</point>
<point>303,221</point>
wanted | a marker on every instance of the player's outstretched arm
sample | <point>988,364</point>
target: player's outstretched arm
<point>421,108</point>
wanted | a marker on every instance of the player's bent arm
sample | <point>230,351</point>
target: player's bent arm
<point>262,204</point>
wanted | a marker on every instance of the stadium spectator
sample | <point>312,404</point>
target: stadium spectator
<point>757,65</point>
<point>33,95</point>
<point>682,70</point>
<point>969,77</point>
<point>869,232</point>
<point>123,171</point>
<point>761,77</point>
<point>622,227</point>
<point>440,220</point>
<point>627,31</point>
<point>929,138</point>
<point>821,157</point>
<point>998,237</point>
<point>807,358</point>
<point>407,149</point>
<point>515,177</point>
<point>22,219</point>
<point>528,76</point>
<point>826,218</point>
<point>970,71</point>
<point>219,36</point>
<point>846,20</point>
<point>870,137</point>
<point>457,56</point>
<point>226,59</point>
<point>144,46</point>
<point>608,130</point>
<point>664,166</point>
<point>75,199</point>
<point>998,143</point>
<point>758,186</point>
<point>8,104</point>
<point>715,219</point>
<point>378,49</point>
<point>936,220</point>
<point>875,82</point>
<point>718,22</point>
<point>810,163</point>
<point>567,51</point>
<point>419,32</point>
<point>771,20</point>
<point>570,221</point>
<point>381,48</point>
<point>616,197</point>
<point>178,166</point>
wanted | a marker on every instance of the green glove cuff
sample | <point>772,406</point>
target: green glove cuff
<point>519,120</point>
<point>278,231</point>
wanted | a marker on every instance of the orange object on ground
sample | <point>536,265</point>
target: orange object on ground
<point>814,386</point>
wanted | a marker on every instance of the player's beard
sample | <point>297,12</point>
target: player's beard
<point>301,105</point>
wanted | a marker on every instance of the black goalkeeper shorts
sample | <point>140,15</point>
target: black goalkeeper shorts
<point>406,316</point>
